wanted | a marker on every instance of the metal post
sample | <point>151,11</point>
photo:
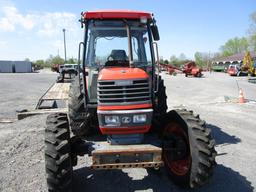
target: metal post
<point>65,51</point>
<point>158,66</point>
<point>129,45</point>
<point>208,62</point>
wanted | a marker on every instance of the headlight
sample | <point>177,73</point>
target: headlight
<point>112,120</point>
<point>142,118</point>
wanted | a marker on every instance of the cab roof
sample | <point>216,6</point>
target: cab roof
<point>116,14</point>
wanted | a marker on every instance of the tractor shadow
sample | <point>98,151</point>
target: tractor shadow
<point>225,179</point>
<point>222,137</point>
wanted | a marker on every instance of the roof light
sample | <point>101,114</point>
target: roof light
<point>143,20</point>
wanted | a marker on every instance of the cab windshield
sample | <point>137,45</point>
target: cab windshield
<point>108,44</point>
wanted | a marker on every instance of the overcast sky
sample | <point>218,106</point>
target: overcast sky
<point>33,29</point>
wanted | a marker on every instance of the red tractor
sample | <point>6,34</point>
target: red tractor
<point>117,109</point>
<point>191,69</point>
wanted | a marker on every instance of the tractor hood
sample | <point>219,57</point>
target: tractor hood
<point>118,73</point>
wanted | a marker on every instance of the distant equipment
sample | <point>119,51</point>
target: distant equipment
<point>220,67</point>
<point>67,72</point>
<point>191,69</point>
<point>171,69</point>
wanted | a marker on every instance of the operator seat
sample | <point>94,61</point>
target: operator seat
<point>117,57</point>
<point>118,54</point>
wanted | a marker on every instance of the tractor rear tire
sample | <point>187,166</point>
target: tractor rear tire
<point>195,165</point>
<point>58,161</point>
<point>78,117</point>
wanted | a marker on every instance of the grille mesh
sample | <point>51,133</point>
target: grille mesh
<point>115,92</point>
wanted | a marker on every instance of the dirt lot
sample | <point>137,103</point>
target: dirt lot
<point>233,126</point>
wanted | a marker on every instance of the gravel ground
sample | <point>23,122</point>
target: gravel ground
<point>22,91</point>
<point>233,126</point>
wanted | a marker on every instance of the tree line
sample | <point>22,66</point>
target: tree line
<point>243,44</point>
<point>51,61</point>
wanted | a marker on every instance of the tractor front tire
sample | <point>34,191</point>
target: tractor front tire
<point>160,106</point>
<point>58,161</point>
<point>161,99</point>
<point>78,117</point>
<point>192,164</point>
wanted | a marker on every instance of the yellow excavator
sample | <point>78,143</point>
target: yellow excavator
<point>249,65</point>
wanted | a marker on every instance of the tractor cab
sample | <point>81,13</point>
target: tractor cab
<point>119,67</point>
<point>117,39</point>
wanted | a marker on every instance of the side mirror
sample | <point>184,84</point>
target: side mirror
<point>155,32</point>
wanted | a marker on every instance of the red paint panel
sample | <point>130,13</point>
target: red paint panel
<point>116,14</point>
<point>126,130</point>
<point>122,73</point>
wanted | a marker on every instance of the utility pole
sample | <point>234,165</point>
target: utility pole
<point>209,66</point>
<point>65,51</point>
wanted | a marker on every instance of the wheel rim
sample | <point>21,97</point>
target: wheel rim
<point>177,167</point>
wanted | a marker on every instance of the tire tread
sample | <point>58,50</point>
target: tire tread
<point>58,163</point>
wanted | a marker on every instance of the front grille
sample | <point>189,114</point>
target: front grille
<point>124,91</point>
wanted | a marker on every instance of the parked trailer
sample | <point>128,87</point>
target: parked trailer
<point>54,100</point>
<point>15,67</point>
<point>22,66</point>
<point>6,67</point>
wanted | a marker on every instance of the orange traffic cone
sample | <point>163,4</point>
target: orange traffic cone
<point>241,96</point>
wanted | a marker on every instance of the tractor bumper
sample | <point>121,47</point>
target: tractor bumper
<point>106,156</point>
